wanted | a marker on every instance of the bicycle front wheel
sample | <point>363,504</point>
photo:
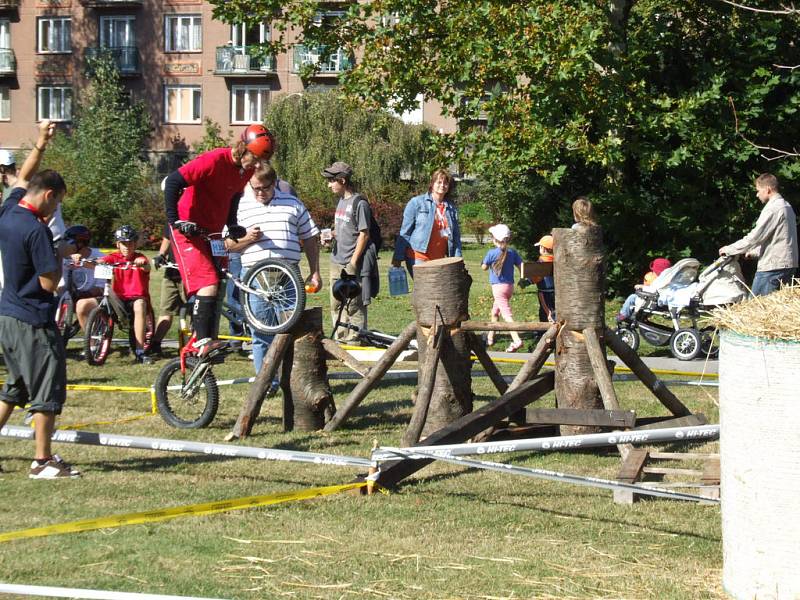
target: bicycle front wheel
<point>187,400</point>
<point>66,321</point>
<point>97,339</point>
<point>275,296</point>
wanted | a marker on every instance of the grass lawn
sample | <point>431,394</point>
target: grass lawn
<point>447,533</point>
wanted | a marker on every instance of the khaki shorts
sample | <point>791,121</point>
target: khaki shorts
<point>36,363</point>
<point>172,297</point>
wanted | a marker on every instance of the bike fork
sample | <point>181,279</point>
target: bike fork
<point>195,379</point>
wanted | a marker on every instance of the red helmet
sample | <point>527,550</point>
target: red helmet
<point>258,140</point>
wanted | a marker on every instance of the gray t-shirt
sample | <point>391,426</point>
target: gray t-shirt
<point>348,227</point>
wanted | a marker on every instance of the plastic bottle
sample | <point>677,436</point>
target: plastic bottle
<point>398,281</point>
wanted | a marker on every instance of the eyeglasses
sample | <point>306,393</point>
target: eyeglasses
<point>264,189</point>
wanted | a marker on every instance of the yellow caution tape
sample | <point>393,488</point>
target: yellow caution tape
<point>114,422</point>
<point>165,514</point>
<point>79,387</point>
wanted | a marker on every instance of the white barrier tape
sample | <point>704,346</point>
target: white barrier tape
<point>567,478</point>
<point>60,592</point>
<point>567,442</point>
<point>698,383</point>
<point>164,445</point>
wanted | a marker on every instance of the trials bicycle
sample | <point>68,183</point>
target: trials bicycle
<point>110,311</point>
<point>66,318</point>
<point>273,298</point>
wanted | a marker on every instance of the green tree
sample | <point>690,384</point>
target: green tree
<point>628,102</point>
<point>101,157</point>
<point>315,129</point>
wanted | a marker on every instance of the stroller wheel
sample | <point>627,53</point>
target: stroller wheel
<point>685,344</point>
<point>709,343</point>
<point>630,337</point>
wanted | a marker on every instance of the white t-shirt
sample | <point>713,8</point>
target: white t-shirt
<point>284,222</point>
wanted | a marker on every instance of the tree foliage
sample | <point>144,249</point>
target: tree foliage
<point>315,129</point>
<point>100,158</point>
<point>628,102</point>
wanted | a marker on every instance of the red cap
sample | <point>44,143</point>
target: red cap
<point>659,265</point>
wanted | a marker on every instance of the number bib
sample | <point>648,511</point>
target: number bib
<point>102,271</point>
<point>218,248</point>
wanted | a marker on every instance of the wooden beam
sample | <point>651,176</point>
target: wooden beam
<point>645,375</point>
<point>375,373</point>
<point>534,364</point>
<point>470,425</point>
<point>631,468</point>
<point>503,326</point>
<point>663,422</point>
<point>427,376</point>
<point>477,345</point>
<point>588,417</point>
<point>338,353</point>
<point>261,385</point>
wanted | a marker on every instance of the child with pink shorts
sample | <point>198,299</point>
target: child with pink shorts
<point>500,262</point>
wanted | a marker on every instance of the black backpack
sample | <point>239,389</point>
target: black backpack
<point>374,229</point>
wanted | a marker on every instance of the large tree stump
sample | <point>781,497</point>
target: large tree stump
<point>444,282</point>
<point>305,384</point>
<point>579,272</point>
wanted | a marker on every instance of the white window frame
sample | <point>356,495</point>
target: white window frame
<point>195,41</point>
<point>5,33</point>
<point>61,94</point>
<point>263,102</point>
<point>62,38</point>
<point>130,34</point>
<point>5,103</point>
<point>191,89</point>
<point>239,35</point>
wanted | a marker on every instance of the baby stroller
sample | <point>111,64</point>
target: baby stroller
<point>681,298</point>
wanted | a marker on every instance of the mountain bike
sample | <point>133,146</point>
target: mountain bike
<point>273,298</point>
<point>109,312</point>
<point>66,318</point>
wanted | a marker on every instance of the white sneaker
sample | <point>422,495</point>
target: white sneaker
<point>55,468</point>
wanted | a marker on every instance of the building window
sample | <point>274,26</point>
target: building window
<point>117,32</point>
<point>54,34</point>
<point>5,103</point>
<point>248,103</point>
<point>5,33</point>
<point>55,103</point>
<point>248,35</point>
<point>182,104</point>
<point>183,33</point>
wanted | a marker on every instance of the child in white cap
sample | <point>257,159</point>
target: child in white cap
<point>500,262</point>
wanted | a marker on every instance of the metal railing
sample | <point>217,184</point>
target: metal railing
<point>338,61</point>
<point>8,61</point>
<point>243,59</point>
<point>125,57</point>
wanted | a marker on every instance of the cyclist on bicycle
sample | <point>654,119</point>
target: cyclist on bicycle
<point>132,286</point>
<point>201,195</point>
<point>88,290</point>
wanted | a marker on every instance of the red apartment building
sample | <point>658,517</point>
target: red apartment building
<point>185,65</point>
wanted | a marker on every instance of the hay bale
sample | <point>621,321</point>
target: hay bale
<point>773,317</point>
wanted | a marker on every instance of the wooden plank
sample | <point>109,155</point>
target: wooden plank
<point>683,456</point>
<point>710,474</point>
<point>469,425</point>
<point>645,375</point>
<point>665,422</point>
<point>504,326</point>
<point>534,270</point>
<point>588,417</point>
<point>365,385</point>
<point>632,466</point>
<point>672,471</point>
<point>338,353</point>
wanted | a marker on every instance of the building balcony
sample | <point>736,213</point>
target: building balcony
<point>9,4</point>
<point>111,3</point>
<point>8,62</point>
<point>337,62</point>
<point>242,61</point>
<point>125,57</point>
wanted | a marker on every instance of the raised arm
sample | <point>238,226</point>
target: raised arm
<point>47,130</point>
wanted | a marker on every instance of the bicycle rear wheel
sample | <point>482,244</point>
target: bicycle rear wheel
<point>66,320</point>
<point>97,339</point>
<point>275,296</point>
<point>190,400</point>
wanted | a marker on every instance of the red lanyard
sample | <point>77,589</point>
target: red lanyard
<point>25,204</point>
<point>440,215</point>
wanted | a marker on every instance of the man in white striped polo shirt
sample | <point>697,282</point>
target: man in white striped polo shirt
<point>278,226</point>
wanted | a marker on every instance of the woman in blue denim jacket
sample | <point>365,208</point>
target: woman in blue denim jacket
<point>430,227</point>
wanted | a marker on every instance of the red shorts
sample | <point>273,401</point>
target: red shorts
<point>195,262</point>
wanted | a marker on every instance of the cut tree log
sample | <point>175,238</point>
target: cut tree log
<point>503,325</point>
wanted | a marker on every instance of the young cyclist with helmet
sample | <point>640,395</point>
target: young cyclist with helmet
<point>201,195</point>
<point>86,287</point>
<point>132,286</point>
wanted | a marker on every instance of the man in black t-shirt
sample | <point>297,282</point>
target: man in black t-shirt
<point>32,347</point>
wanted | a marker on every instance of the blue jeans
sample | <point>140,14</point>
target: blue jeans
<point>261,341</point>
<point>232,292</point>
<point>766,282</point>
<point>627,307</point>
